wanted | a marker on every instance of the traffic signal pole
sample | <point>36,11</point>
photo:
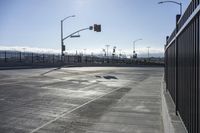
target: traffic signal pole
<point>96,28</point>
<point>61,40</point>
<point>62,43</point>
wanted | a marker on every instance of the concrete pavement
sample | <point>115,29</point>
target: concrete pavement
<point>81,100</point>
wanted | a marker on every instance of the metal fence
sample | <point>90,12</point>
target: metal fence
<point>15,58</point>
<point>182,54</point>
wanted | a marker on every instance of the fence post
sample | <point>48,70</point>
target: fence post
<point>63,61</point>
<point>68,59</point>
<point>43,58</point>
<point>32,58</point>
<point>74,58</point>
<point>5,58</point>
<point>53,58</point>
<point>20,56</point>
<point>176,64</point>
<point>165,61</point>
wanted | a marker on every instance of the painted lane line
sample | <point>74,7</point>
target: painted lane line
<point>67,112</point>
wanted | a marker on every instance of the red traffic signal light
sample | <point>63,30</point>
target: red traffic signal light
<point>97,28</point>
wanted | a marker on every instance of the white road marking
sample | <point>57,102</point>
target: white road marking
<point>67,112</point>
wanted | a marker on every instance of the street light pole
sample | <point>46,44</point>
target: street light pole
<point>134,45</point>
<point>120,52</point>
<point>85,51</point>
<point>107,46</point>
<point>170,1</point>
<point>148,51</point>
<point>62,43</point>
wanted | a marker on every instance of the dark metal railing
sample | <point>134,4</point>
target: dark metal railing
<point>15,58</point>
<point>173,34</point>
<point>182,67</point>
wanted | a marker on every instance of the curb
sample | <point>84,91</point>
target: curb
<point>171,122</point>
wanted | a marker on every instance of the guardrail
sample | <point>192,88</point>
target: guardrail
<point>182,54</point>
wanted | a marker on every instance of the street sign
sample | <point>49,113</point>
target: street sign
<point>74,36</point>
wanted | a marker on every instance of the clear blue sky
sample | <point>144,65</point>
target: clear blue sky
<point>36,23</point>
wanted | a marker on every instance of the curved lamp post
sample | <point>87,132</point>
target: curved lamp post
<point>169,1</point>
<point>62,43</point>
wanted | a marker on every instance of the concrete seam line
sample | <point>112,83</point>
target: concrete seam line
<point>67,112</point>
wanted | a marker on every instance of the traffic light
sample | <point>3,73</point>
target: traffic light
<point>97,28</point>
<point>113,50</point>
<point>63,47</point>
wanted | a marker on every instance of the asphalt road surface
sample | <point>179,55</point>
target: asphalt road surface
<point>81,100</point>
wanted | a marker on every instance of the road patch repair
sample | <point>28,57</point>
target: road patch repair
<point>81,100</point>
